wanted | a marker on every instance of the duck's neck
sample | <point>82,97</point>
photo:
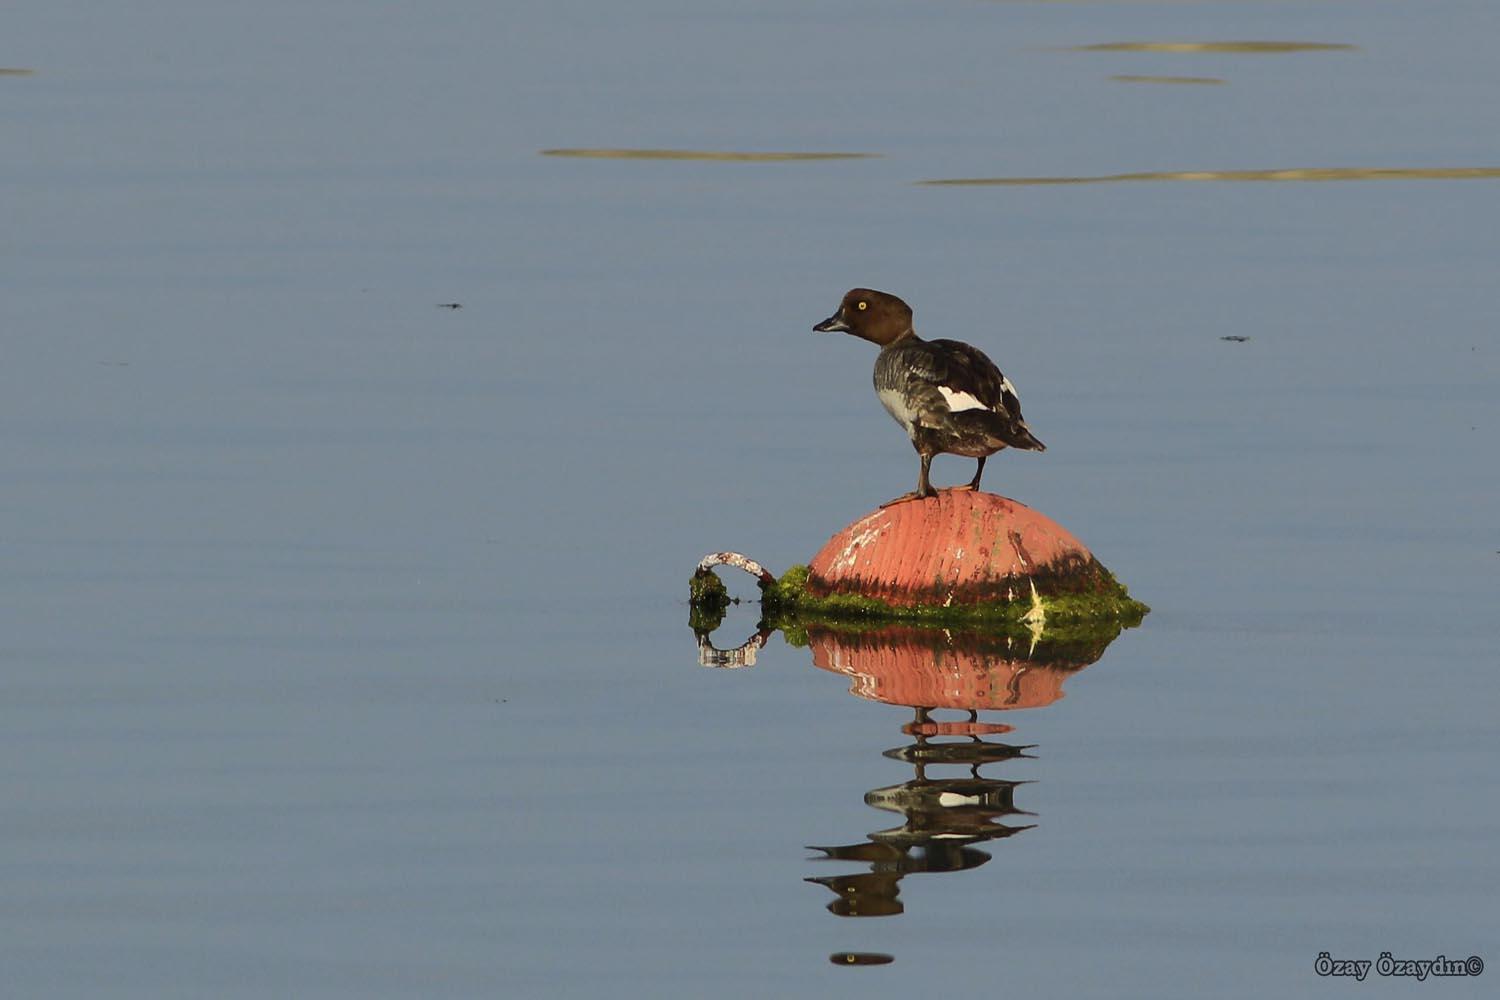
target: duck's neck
<point>907,336</point>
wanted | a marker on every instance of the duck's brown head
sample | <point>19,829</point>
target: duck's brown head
<point>878,317</point>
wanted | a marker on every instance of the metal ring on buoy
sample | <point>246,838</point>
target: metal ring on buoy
<point>737,561</point>
<point>744,654</point>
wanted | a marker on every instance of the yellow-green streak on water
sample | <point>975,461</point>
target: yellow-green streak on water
<point>15,71</point>
<point>692,154</point>
<point>1305,174</point>
<point>1201,80</point>
<point>1211,47</point>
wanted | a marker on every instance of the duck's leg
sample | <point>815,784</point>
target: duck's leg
<point>973,483</point>
<point>924,488</point>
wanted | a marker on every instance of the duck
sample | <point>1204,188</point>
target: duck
<point>948,396</point>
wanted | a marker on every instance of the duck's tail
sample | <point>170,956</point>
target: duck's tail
<point>1025,440</point>
<point>1001,430</point>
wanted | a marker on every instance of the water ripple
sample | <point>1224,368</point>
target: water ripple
<point>691,154</point>
<point>1245,46</point>
<point>1200,80</point>
<point>1298,174</point>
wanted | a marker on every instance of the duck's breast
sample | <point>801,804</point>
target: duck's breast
<point>893,387</point>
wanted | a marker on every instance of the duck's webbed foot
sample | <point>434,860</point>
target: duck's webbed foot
<point>971,486</point>
<point>903,498</point>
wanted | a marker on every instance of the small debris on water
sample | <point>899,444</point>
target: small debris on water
<point>1235,338</point>
<point>861,958</point>
<point>450,305</point>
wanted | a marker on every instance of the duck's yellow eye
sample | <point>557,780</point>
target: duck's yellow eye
<point>862,305</point>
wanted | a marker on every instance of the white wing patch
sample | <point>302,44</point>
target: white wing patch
<point>957,400</point>
<point>1005,384</point>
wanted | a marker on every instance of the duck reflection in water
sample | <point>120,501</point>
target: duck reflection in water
<point>945,816</point>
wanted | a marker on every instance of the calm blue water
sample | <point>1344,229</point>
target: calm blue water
<point>343,645</point>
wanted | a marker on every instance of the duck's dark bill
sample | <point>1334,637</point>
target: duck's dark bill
<point>833,324</point>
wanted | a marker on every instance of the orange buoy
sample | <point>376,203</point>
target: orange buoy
<point>960,547</point>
